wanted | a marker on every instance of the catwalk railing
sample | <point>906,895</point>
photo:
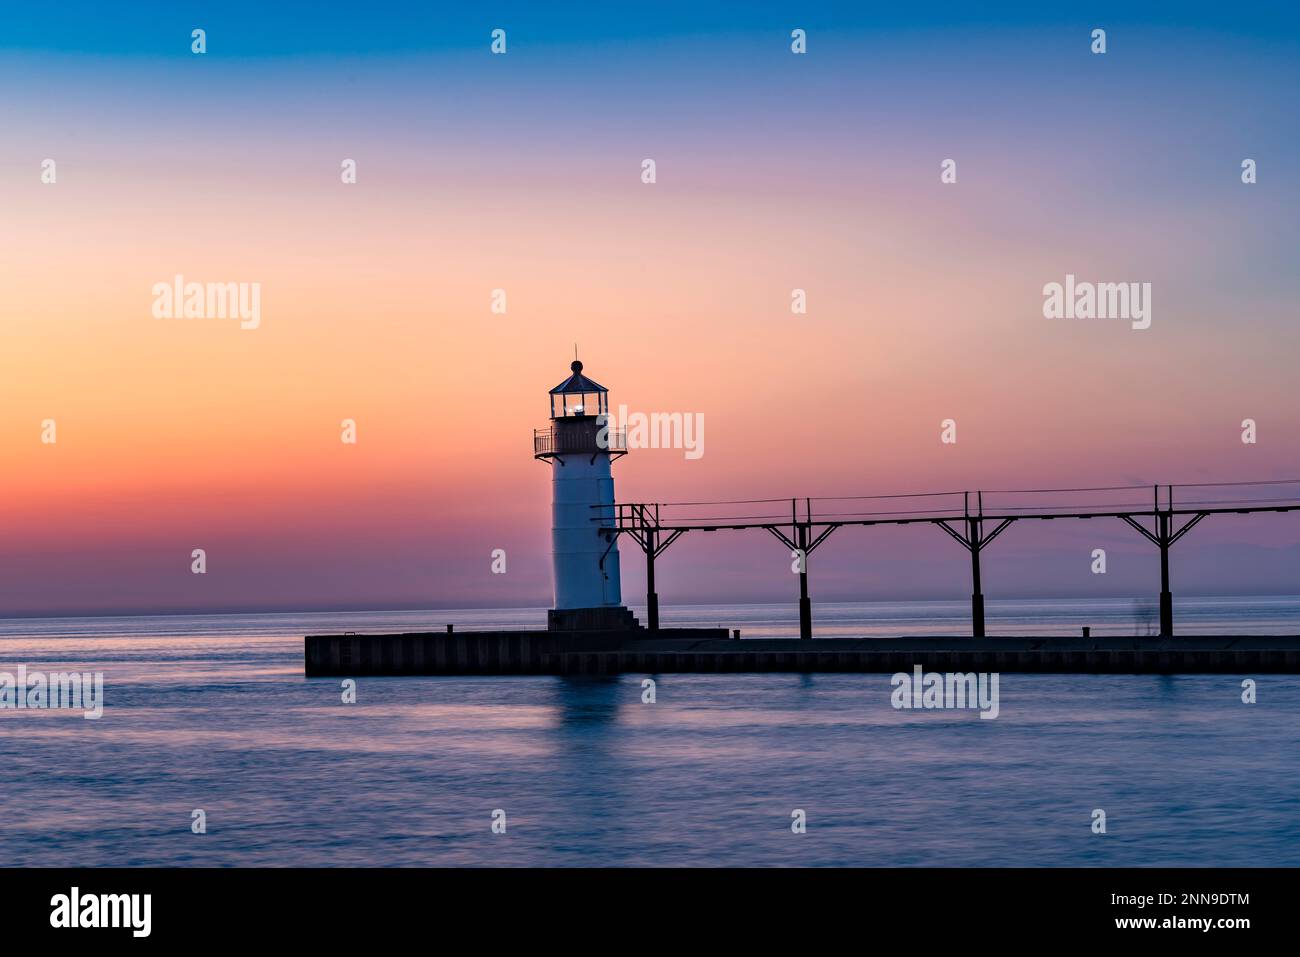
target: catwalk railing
<point>1162,514</point>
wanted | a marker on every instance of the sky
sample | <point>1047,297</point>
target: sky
<point>523,172</point>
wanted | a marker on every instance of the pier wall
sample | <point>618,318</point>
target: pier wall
<point>711,650</point>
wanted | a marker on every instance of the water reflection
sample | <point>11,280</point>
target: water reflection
<point>590,702</point>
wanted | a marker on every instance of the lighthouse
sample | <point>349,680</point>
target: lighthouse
<point>580,446</point>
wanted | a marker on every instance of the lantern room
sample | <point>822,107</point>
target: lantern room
<point>578,396</point>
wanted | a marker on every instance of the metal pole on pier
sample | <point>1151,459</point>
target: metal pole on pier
<point>651,596</point>
<point>1164,537</point>
<point>801,543</point>
<point>973,539</point>
<point>1166,599</point>
<point>974,534</point>
<point>1163,523</point>
<point>805,603</point>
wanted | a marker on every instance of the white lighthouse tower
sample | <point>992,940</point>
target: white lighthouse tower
<point>580,447</point>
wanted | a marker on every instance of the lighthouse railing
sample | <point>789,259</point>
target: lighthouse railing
<point>564,442</point>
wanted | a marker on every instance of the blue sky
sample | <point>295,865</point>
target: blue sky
<point>248,28</point>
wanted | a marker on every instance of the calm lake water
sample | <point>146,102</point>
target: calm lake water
<point>213,712</point>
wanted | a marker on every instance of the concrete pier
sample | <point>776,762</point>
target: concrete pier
<point>712,650</point>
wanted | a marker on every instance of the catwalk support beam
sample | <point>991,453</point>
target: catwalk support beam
<point>973,534</point>
<point>801,543</point>
<point>653,547</point>
<point>974,540</point>
<point>642,523</point>
<point>1163,538</point>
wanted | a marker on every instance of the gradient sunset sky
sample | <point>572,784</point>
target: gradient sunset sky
<point>775,171</point>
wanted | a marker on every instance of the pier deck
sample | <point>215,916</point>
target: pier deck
<point>712,650</point>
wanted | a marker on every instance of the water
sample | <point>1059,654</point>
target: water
<point>213,712</point>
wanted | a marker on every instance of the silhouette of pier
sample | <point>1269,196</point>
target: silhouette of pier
<point>1162,515</point>
<point>962,515</point>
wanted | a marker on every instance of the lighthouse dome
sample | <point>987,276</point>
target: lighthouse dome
<point>578,396</point>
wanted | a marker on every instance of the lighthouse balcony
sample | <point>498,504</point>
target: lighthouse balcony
<point>578,437</point>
